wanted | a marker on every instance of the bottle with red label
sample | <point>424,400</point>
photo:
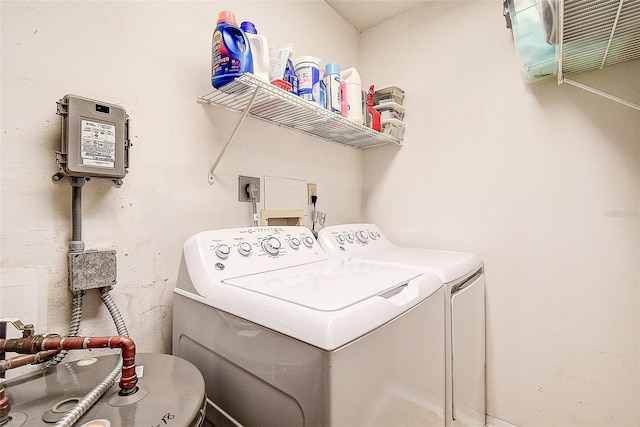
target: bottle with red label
<point>373,116</point>
<point>230,51</point>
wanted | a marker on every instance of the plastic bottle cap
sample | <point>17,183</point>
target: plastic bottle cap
<point>248,27</point>
<point>333,68</point>
<point>308,58</point>
<point>350,73</point>
<point>226,16</point>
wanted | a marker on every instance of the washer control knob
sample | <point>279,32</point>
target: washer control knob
<point>362,236</point>
<point>308,241</point>
<point>340,239</point>
<point>373,235</point>
<point>271,245</point>
<point>294,242</point>
<point>244,248</point>
<point>223,251</point>
<point>350,237</point>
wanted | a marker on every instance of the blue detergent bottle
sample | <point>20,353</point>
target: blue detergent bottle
<point>230,51</point>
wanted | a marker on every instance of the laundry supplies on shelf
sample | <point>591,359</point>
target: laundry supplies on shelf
<point>388,102</point>
<point>259,50</point>
<point>230,51</point>
<point>352,96</point>
<point>308,72</point>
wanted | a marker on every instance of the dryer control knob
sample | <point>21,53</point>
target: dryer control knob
<point>340,239</point>
<point>294,243</point>
<point>350,237</point>
<point>308,241</point>
<point>223,251</point>
<point>373,235</point>
<point>271,245</point>
<point>362,236</point>
<point>244,248</point>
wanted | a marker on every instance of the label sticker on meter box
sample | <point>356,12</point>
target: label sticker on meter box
<point>98,144</point>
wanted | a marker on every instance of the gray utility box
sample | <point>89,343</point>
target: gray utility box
<point>92,269</point>
<point>95,138</point>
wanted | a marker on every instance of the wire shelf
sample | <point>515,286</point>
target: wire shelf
<point>283,108</point>
<point>597,34</point>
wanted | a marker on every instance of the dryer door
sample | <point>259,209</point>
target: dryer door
<point>468,353</point>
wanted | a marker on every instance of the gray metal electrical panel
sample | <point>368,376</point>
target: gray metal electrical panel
<point>92,269</point>
<point>95,138</point>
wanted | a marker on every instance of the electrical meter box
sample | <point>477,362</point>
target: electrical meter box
<point>95,138</point>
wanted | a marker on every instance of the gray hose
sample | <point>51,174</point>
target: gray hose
<point>74,328</point>
<point>115,313</point>
<point>91,398</point>
<point>99,390</point>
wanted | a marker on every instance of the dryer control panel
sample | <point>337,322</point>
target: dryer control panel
<point>349,240</point>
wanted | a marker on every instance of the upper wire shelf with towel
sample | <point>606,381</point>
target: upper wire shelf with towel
<point>563,38</point>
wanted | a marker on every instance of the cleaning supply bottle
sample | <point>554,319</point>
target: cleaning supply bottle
<point>230,51</point>
<point>290,77</point>
<point>323,91</point>
<point>259,51</point>
<point>351,77</point>
<point>308,72</point>
<point>332,84</point>
<point>373,115</point>
<point>343,98</point>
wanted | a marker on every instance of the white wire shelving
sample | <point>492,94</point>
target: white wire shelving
<point>267,102</point>
<point>595,34</point>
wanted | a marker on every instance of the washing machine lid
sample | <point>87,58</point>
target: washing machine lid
<point>326,286</point>
<point>326,304</point>
<point>449,266</point>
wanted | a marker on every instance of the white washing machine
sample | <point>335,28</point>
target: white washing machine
<point>463,277</point>
<point>286,336</point>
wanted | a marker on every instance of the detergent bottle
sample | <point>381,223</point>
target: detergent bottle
<point>353,95</point>
<point>259,51</point>
<point>230,51</point>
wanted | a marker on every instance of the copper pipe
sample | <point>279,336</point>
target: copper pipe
<point>26,359</point>
<point>37,343</point>
<point>5,405</point>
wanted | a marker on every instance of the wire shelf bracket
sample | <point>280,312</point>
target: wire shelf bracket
<point>272,104</point>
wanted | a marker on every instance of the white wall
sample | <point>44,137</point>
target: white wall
<point>153,58</point>
<point>543,181</point>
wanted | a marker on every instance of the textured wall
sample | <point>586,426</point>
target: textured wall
<point>544,183</point>
<point>153,58</point>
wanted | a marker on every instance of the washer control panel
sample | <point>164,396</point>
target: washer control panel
<point>234,252</point>
<point>348,240</point>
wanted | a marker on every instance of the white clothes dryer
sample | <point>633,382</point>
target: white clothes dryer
<point>463,276</point>
<point>286,336</point>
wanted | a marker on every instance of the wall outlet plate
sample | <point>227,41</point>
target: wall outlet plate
<point>312,190</point>
<point>243,181</point>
